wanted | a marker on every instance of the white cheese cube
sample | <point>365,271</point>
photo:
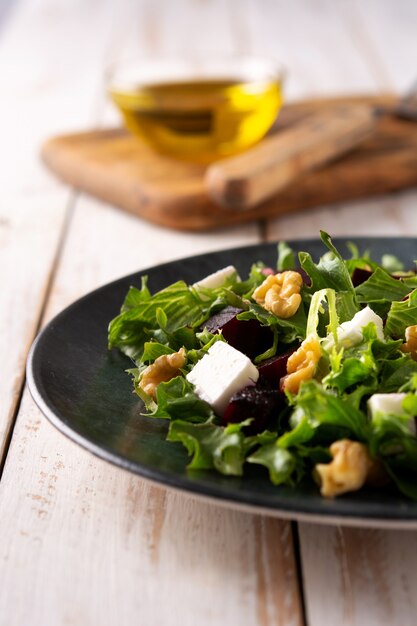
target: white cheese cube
<point>350,333</point>
<point>389,404</point>
<point>221,373</point>
<point>217,279</point>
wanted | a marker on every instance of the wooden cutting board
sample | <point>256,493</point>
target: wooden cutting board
<point>115,167</point>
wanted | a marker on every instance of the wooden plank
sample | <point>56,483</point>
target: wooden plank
<point>355,576</point>
<point>84,534</point>
<point>384,34</point>
<point>35,89</point>
<point>312,43</point>
<point>209,561</point>
<point>30,229</point>
<point>84,542</point>
<point>385,215</point>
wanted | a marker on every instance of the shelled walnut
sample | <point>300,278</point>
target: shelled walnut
<point>302,364</point>
<point>164,368</point>
<point>348,471</point>
<point>280,293</point>
<point>410,344</point>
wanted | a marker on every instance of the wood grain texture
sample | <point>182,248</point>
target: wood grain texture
<point>246,180</point>
<point>81,514</point>
<point>84,543</point>
<point>29,237</point>
<point>366,576</point>
<point>34,90</point>
<point>115,167</point>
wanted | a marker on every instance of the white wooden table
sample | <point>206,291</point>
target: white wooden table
<point>82,542</point>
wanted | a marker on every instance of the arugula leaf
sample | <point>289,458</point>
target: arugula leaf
<point>401,315</point>
<point>270,352</point>
<point>361,363</point>
<point>129,330</point>
<point>183,337</point>
<point>289,330</point>
<point>346,305</point>
<point>281,463</point>
<point>211,446</point>
<point>393,443</point>
<point>381,287</point>
<point>286,257</point>
<point>301,432</point>
<point>152,350</point>
<point>245,288</point>
<point>331,270</point>
<point>396,373</point>
<point>135,296</point>
<point>176,399</point>
<point>322,407</point>
<point>352,372</point>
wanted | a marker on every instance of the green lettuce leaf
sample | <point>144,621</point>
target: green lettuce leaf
<point>129,330</point>
<point>289,330</point>
<point>152,350</point>
<point>362,363</point>
<point>396,446</point>
<point>176,399</point>
<point>381,288</point>
<point>401,315</point>
<point>395,373</point>
<point>330,272</point>
<point>286,257</point>
<point>135,296</point>
<point>280,463</point>
<point>212,446</point>
<point>323,407</point>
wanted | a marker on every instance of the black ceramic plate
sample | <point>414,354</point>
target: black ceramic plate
<point>84,391</point>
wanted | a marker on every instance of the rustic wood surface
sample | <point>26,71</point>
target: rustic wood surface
<point>82,542</point>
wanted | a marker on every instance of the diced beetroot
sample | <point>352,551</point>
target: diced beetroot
<point>272,370</point>
<point>360,275</point>
<point>250,337</point>
<point>259,402</point>
<point>217,321</point>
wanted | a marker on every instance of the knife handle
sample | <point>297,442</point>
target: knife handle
<point>241,182</point>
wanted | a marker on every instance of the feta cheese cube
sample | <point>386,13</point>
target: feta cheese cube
<point>217,279</point>
<point>350,333</point>
<point>389,404</point>
<point>221,373</point>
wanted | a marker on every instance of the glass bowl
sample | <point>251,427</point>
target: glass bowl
<point>200,109</point>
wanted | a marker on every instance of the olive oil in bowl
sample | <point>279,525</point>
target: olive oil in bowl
<point>200,118</point>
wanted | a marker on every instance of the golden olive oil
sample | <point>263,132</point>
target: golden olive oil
<point>200,120</point>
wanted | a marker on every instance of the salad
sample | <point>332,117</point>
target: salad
<point>308,369</point>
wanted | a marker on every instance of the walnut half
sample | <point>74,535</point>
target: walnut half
<point>164,368</point>
<point>280,293</point>
<point>348,471</point>
<point>410,344</point>
<point>302,364</point>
